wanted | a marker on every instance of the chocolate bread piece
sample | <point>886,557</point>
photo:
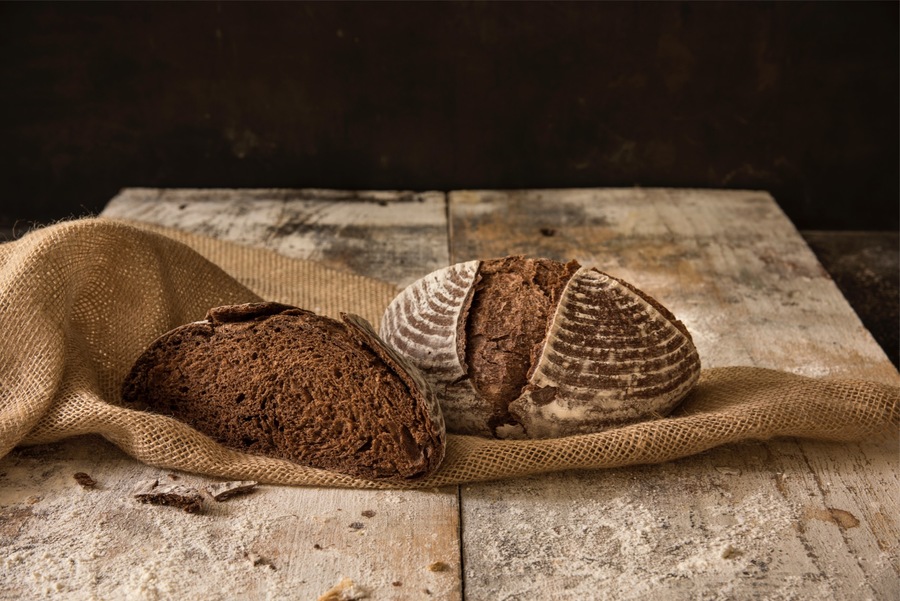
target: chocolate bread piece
<point>510,309</point>
<point>534,348</point>
<point>279,381</point>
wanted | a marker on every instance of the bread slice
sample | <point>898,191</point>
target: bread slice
<point>279,381</point>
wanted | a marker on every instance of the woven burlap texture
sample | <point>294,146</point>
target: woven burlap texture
<point>80,300</point>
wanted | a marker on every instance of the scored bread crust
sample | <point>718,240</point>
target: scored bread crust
<point>517,347</point>
<point>280,381</point>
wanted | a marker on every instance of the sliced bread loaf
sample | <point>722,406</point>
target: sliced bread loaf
<point>279,381</point>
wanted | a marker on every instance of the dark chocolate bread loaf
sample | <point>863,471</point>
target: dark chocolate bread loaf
<point>518,347</point>
<point>283,382</point>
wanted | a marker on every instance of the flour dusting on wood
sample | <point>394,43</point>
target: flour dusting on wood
<point>61,540</point>
<point>659,532</point>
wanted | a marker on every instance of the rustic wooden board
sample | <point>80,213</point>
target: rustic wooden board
<point>768,520</point>
<point>278,542</point>
<point>395,236</point>
<point>776,520</point>
<point>63,541</point>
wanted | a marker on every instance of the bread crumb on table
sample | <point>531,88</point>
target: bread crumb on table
<point>345,590</point>
<point>175,495</point>
<point>258,560</point>
<point>438,566</point>
<point>84,480</point>
<point>225,490</point>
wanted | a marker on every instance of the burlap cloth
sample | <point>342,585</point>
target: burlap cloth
<point>80,300</point>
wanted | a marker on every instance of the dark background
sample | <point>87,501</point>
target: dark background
<point>800,99</point>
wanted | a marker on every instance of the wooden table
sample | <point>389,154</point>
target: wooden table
<point>784,519</point>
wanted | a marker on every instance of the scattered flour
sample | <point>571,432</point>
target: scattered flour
<point>62,541</point>
<point>634,541</point>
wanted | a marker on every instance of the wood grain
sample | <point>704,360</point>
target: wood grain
<point>60,539</point>
<point>777,520</point>
<point>781,519</point>
<point>395,236</point>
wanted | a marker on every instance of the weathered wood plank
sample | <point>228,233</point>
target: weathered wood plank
<point>278,542</point>
<point>774,520</point>
<point>60,539</point>
<point>730,262</point>
<point>399,236</point>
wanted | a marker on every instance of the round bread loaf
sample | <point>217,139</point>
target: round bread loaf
<point>279,381</point>
<point>518,347</point>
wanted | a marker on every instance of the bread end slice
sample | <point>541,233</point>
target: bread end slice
<point>280,381</point>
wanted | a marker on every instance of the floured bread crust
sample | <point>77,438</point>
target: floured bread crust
<point>534,348</point>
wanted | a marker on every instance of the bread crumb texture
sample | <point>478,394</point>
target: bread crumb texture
<point>283,382</point>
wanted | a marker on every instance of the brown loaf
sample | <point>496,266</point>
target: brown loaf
<point>283,382</point>
<point>520,347</point>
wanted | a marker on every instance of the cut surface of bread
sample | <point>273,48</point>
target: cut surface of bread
<point>513,302</point>
<point>279,381</point>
